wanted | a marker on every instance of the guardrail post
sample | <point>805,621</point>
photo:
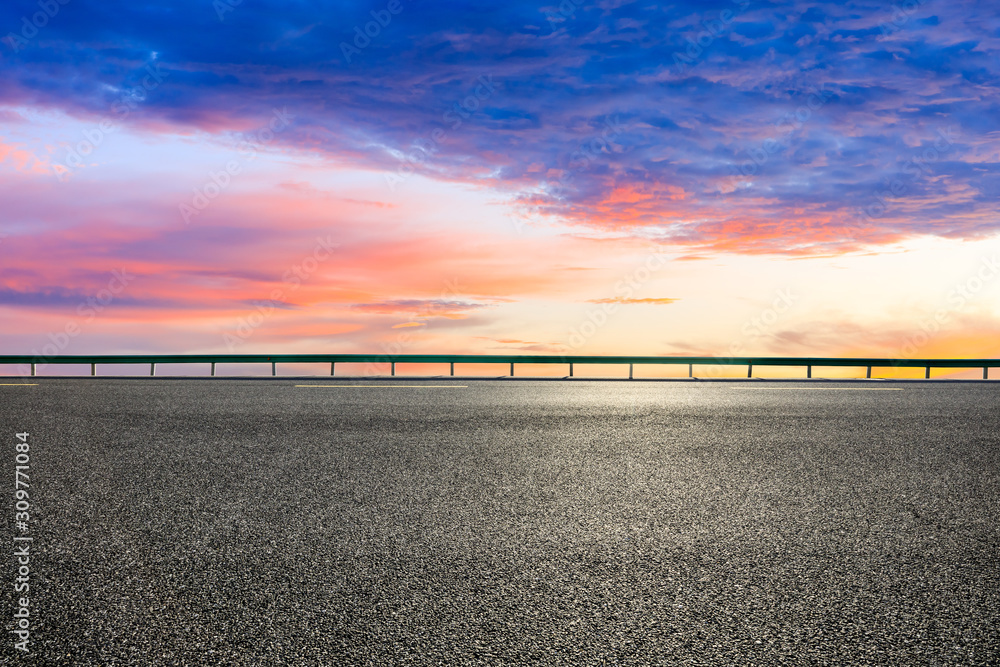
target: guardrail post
<point>986,371</point>
<point>392,368</point>
<point>33,370</point>
<point>152,370</point>
<point>690,370</point>
<point>571,369</point>
<point>809,372</point>
<point>213,369</point>
<point>274,371</point>
<point>333,365</point>
<point>452,364</point>
<point>630,371</point>
<point>749,370</point>
<point>512,369</point>
<point>93,369</point>
<point>869,376</point>
<point>927,375</point>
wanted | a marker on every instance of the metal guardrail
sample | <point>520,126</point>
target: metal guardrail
<point>333,359</point>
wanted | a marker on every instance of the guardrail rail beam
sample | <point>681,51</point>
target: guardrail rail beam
<point>451,359</point>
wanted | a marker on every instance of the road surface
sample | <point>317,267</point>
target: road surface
<point>496,522</point>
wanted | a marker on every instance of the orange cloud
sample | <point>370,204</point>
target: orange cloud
<point>23,160</point>
<point>454,310</point>
<point>620,299</point>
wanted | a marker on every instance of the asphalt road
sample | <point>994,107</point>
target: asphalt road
<point>256,522</point>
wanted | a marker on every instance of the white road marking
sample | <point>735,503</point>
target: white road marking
<point>830,388</point>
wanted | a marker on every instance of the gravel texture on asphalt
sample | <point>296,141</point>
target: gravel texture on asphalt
<point>254,522</point>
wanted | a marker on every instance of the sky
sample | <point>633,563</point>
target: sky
<point>720,178</point>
